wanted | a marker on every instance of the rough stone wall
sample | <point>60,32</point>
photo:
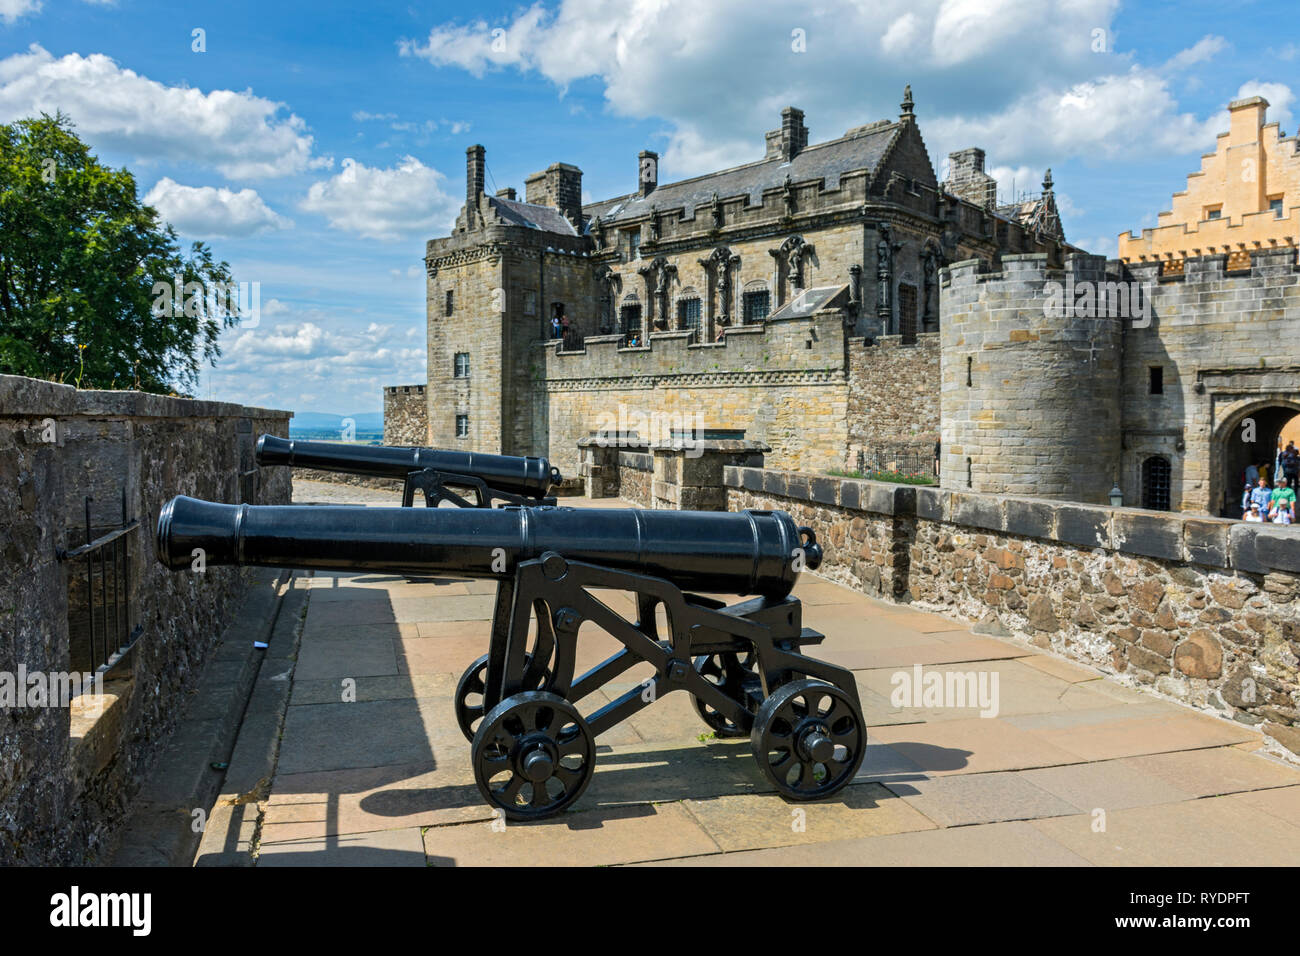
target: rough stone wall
<point>406,415</point>
<point>635,478</point>
<point>475,282</point>
<point>1203,610</point>
<point>1031,393</point>
<point>1227,345</point>
<point>893,395</point>
<point>61,796</point>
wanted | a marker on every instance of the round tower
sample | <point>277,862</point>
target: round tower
<point>1030,366</point>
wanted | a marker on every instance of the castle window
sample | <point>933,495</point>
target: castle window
<point>1275,207</point>
<point>462,426</point>
<point>907,313</point>
<point>756,306</point>
<point>449,301</point>
<point>629,318</point>
<point>462,365</point>
<point>1157,379</point>
<point>1155,483</point>
<point>970,362</point>
<point>632,243</point>
<point>688,315</point>
<point>530,302</point>
<point>1213,212</point>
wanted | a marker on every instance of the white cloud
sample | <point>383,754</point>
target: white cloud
<point>205,211</point>
<point>11,10</point>
<point>384,203</point>
<point>1279,96</point>
<point>241,135</point>
<point>361,116</point>
<point>678,59</point>
<point>321,354</point>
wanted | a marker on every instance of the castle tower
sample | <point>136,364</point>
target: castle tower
<point>1030,368</point>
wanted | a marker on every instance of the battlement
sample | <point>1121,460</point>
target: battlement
<point>807,347</point>
<point>1027,268</point>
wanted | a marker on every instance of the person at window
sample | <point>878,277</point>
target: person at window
<point>1282,503</point>
<point>1260,495</point>
<point>564,325</point>
<point>1254,514</point>
<point>722,334</point>
<point>555,327</point>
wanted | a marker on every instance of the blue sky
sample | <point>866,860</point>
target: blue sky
<point>316,148</point>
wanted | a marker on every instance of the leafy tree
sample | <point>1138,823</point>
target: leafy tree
<point>83,265</point>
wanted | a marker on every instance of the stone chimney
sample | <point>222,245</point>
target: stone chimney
<point>475,164</point>
<point>507,193</point>
<point>558,186</point>
<point>967,179</point>
<point>647,172</point>
<point>787,142</point>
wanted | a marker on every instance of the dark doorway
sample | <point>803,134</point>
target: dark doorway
<point>1155,483</point>
<point>1251,441</point>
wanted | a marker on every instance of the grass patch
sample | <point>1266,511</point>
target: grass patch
<point>898,477</point>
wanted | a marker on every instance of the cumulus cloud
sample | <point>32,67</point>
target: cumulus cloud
<point>206,211</point>
<point>240,134</point>
<point>678,59</point>
<point>383,203</point>
<point>11,10</point>
<point>321,354</point>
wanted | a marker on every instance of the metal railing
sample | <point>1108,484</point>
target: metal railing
<point>903,461</point>
<point>108,632</point>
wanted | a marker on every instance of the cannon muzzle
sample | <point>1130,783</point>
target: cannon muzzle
<point>532,477</point>
<point>747,552</point>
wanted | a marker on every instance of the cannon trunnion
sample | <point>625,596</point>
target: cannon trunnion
<point>438,474</point>
<point>532,743</point>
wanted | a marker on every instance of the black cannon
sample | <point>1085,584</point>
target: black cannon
<point>533,751</point>
<point>435,472</point>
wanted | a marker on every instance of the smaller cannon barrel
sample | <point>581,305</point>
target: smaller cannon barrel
<point>532,477</point>
<point>747,552</point>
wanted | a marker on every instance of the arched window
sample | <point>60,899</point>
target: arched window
<point>688,310</point>
<point>1155,483</point>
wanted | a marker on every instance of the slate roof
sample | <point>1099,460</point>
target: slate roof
<point>544,218</point>
<point>861,148</point>
<point>811,300</point>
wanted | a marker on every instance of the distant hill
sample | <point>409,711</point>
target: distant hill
<point>366,422</point>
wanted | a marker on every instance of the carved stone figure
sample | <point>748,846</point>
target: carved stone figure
<point>787,196</point>
<point>716,208</point>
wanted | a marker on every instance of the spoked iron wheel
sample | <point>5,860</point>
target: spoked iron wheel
<point>470,689</point>
<point>728,671</point>
<point>809,739</point>
<point>533,755</point>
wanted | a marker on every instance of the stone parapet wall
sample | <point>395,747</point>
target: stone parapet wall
<point>62,791</point>
<point>406,415</point>
<point>1203,610</point>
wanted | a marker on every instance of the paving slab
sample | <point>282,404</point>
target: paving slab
<point>1207,773</point>
<point>971,746</point>
<point>1144,735</point>
<point>403,847</point>
<point>756,821</point>
<point>1108,784</point>
<point>972,798</point>
<point>1218,831</point>
<point>389,687</point>
<point>996,844</point>
<point>610,835</point>
<point>1061,668</point>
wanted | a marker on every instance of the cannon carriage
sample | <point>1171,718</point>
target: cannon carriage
<point>437,474</point>
<point>532,743</point>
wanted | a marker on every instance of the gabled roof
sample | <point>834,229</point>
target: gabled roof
<point>859,149</point>
<point>812,300</point>
<point>533,216</point>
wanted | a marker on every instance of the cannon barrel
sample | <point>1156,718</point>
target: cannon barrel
<point>747,552</point>
<point>518,475</point>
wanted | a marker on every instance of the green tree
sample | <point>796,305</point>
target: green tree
<point>82,261</point>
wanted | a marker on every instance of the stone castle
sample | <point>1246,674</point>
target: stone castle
<point>834,300</point>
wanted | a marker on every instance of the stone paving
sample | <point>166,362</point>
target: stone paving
<point>1074,769</point>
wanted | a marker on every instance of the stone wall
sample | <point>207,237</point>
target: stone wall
<point>893,395</point>
<point>65,776</point>
<point>730,386</point>
<point>636,478</point>
<point>406,415</point>
<point>1203,610</point>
